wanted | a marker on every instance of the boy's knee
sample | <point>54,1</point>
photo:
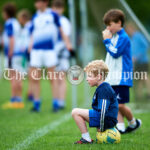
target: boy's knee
<point>74,112</point>
<point>121,106</point>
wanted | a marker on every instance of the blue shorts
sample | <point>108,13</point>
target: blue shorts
<point>122,93</point>
<point>94,120</point>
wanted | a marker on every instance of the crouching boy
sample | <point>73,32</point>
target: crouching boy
<point>103,114</point>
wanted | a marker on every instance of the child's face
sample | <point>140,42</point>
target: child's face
<point>92,80</point>
<point>39,5</point>
<point>114,27</point>
<point>21,20</point>
<point>60,11</point>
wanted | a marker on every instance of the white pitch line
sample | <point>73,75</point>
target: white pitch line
<point>41,132</point>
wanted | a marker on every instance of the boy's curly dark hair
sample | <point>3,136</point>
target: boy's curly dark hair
<point>114,15</point>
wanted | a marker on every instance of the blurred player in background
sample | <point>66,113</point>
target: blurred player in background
<point>63,56</point>
<point>139,47</point>
<point>13,55</point>
<point>45,26</point>
<point>24,18</point>
<point>1,43</point>
<point>119,61</point>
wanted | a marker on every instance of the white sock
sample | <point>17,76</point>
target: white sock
<point>86,136</point>
<point>132,123</point>
<point>121,126</point>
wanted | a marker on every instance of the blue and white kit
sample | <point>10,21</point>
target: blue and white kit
<point>60,47</point>
<point>12,28</point>
<point>119,59</point>
<point>44,31</point>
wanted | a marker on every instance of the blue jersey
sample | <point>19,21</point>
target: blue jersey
<point>119,59</point>
<point>12,29</point>
<point>105,101</point>
<point>139,46</point>
<point>45,30</point>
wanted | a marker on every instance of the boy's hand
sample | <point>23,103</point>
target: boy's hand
<point>107,34</point>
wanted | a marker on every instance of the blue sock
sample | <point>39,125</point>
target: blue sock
<point>55,103</point>
<point>13,99</point>
<point>18,99</point>
<point>37,104</point>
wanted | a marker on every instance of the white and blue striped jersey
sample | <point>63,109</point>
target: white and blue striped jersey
<point>12,28</point>
<point>119,59</point>
<point>45,30</point>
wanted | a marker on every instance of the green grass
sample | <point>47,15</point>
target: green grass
<point>18,125</point>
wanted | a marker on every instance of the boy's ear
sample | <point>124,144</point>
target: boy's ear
<point>99,76</point>
<point>119,22</point>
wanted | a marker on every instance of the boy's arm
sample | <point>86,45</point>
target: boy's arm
<point>31,28</point>
<point>30,44</point>
<point>103,105</point>
<point>115,51</point>
<point>65,38</point>
<point>10,33</point>
<point>11,46</point>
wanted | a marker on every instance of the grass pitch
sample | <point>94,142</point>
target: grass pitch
<point>21,129</point>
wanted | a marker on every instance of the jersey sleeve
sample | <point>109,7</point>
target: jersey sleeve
<point>103,105</point>
<point>66,26</point>
<point>31,26</point>
<point>9,30</point>
<point>118,50</point>
<point>56,19</point>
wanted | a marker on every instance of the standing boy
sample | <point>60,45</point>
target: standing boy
<point>105,105</point>
<point>63,57</point>
<point>24,17</point>
<point>119,61</point>
<point>13,55</point>
<point>45,25</point>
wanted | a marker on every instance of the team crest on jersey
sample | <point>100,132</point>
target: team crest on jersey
<point>75,75</point>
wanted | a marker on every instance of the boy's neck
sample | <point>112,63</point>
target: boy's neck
<point>119,29</point>
<point>43,9</point>
<point>100,82</point>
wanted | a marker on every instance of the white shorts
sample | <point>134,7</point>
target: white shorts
<point>63,57</point>
<point>43,58</point>
<point>16,63</point>
<point>63,65</point>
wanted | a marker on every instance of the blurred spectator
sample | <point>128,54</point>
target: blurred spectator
<point>63,56</point>
<point>24,17</point>
<point>1,57</point>
<point>13,55</point>
<point>45,26</point>
<point>140,47</point>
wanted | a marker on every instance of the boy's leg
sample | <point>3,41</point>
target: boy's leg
<point>133,123</point>
<point>30,93</point>
<point>36,88</point>
<point>81,116</point>
<point>54,86</point>
<point>62,90</point>
<point>125,111</point>
<point>120,124</point>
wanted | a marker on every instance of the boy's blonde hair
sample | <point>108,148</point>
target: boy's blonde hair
<point>97,67</point>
